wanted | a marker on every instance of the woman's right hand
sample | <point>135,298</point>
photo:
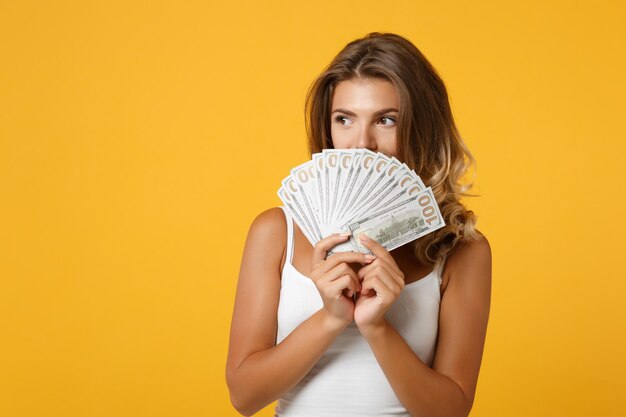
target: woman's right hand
<point>333,275</point>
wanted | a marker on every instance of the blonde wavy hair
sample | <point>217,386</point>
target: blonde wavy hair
<point>427,138</point>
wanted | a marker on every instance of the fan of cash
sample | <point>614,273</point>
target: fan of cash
<point>359,191</point>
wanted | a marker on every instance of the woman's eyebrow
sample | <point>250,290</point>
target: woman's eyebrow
<point>348,112</point>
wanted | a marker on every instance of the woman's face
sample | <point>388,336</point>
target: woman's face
<point>364,113</point>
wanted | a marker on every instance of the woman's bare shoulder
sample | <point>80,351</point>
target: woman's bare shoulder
<point>270,223</point>
<point>268,233</point>
<point>474,248</point>
<point>472,255</point>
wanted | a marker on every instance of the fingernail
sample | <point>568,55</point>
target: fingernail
<point>371,257</point>
<point>346,234</point>
<point>363,237</point>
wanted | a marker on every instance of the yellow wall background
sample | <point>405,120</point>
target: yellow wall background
<point>138,140</point>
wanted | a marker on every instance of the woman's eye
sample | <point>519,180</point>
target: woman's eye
<point>393,121</point>
<point>340,119</point>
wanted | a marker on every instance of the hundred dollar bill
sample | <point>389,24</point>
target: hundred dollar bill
<point>318,162</point>
<point>387,183</point>
<point>305,176</point>
<point>405,189</point>
<point>345,171</point>
<point>362,163</point>
<point>399,223</point>
<point>414,175</point>
<point>294,190</point>
<point>333,174</point>
<point>365,174</point>
<point>353,174</point>
<point>297,213</point>
<point>327,178</point>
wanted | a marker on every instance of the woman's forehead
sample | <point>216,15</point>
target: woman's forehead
<point>365,95</point>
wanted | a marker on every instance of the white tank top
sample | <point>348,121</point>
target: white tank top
<point>347,380</point>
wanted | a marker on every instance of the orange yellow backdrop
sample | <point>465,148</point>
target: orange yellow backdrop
<point>138,140</point>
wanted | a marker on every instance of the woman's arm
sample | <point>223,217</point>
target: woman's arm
<point>257,370</point>
<point>448,388</point>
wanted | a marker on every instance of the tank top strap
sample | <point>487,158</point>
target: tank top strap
<point>289,234</point>
<point>439,270</point>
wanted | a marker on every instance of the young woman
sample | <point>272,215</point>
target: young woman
<point>412,343</point>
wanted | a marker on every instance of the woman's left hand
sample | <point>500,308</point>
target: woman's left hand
<point>381,285</point>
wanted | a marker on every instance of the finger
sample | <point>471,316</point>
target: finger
<point>376,263</point>
<point>379,263</point>
<point>374,286</point>
<point>339,271</point>
<point>335,289</point>
<point>346,257</point>
<point>378,250</point>
<point>323,246</point>
<point>381,280</point>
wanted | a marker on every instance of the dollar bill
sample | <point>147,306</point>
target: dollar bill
<point>318,163</point>
<point>365,173</point>
<point>399,223</point>
<point>351,179</point>
<point>305,176</point>
<point>359,191</point>
<point>297,214</point>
